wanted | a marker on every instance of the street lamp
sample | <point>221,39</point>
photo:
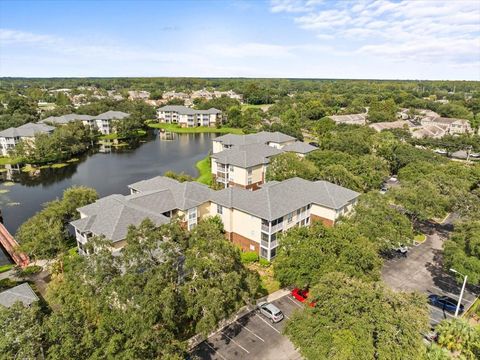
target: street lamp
<point>461,292</point>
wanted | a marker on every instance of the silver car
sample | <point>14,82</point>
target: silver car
<point>270,311</point>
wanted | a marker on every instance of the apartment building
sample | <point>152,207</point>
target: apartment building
<point>10,137</point>
<point>450,125</point>
<point>188,117</point>
<point>351,119</point>
<point>252,220</point>
<point>242,160</point>
<point>159,199</point>
<point>102,122</point>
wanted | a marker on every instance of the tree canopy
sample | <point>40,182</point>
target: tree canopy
<point>354,319</point>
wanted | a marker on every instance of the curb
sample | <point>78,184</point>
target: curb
<point>243,311</point>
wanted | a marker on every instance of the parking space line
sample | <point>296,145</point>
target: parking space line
<point>266,322</point>
<point>215,351</point>
<point>240,346</point>
<point>289,298</point>
<point>286,316</point>
<point>250,331</point>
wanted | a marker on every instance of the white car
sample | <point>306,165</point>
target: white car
<point>270,311</point>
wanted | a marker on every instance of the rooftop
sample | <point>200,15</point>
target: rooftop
<point>26,130</point>
<point>183,110</point>
<point>263,137</point>
<point>299,147</point>
<point>246,155</point>
<point>277,199</point>
<point>22,293</point>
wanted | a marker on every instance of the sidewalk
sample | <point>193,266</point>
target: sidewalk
<point>197,339</point>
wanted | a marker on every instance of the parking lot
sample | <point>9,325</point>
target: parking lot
<point>422,271</point>
<point>252,337</point>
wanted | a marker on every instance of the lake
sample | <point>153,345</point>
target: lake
<point>22,195</point>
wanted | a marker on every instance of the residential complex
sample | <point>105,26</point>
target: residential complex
<point>252,220</point>
<point>352,119</point>
<point>10,137</point>
<point>102,122</point>
<point>242,160</point>
<point>188,117</point>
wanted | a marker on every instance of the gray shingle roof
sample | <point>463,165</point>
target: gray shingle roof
<point>299,147</point>
<point>64,119</point>
<point>110,115</point>
<point>277,199</point>
<point>26,130</point>
<point>183,110</point>
<point>112,215</point>
<point>22,293</point>
<point>246,155</point>
<point>263,137</point>
<point>184,195</point>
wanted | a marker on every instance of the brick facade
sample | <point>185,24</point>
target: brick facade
<point>243,242</point>
<point>326,222</point>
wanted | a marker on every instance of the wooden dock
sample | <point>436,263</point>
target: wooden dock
<point>11,246</point>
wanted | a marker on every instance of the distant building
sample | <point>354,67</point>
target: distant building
<point>399,124</point>
<point>242,160</point>
<point>102,122</point>
<point>10,137</point>
<point>188,117</point>
<point>21,293</point>
<point>138,95</point>
<point>450,125</point>
<point>352,119</point>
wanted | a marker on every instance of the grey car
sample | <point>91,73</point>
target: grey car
<point>270,311</point>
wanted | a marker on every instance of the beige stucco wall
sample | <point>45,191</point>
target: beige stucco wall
<point>323,212</point>
<point>203,210</point>
<point>246,225</point>
<point>217,146</point>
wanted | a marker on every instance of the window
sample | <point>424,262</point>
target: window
<point>249,172</point>
<point>192,218</point>
<point>273,252</point>
<point>219,209</point>
<point>289,218</point>
<point>263,252</point>
<point>249,181</point>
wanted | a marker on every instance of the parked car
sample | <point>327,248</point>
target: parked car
<point>393,178</point>
<point>302,295</point>
<point>270,311</point>
<point>445,303</point>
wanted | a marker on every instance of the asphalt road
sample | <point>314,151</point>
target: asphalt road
<point>252,337</point>
<point>422,271</point>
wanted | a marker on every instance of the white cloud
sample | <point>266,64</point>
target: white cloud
<point>425,31</point>
<point>8,36</point>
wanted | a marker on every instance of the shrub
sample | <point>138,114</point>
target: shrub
<point>249,257</point>
<point>264,262</point>
<point>30,270</point>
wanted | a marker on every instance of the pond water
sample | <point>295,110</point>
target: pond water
<point>22,195</point>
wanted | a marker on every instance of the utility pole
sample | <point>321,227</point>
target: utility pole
<point>461,292</point>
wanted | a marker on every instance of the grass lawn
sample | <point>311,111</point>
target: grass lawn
<point>204,168</point>
<point>5,160</point>
<point>420,238</point>
<point>114,136</point>
<point>4,268</point>
<point>194,130</point>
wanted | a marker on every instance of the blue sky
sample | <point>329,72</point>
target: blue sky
<point>383,39</point>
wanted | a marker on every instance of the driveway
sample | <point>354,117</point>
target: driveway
<point>252,337</point>
<point>422,271</point>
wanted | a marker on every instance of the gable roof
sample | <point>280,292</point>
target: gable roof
<point>183,195</point>
<point>111,115</point>
<point>246,155</point>
<point>263,137</point>
<point>22,293</point>
<point>65,119</point>
<point>299,147</point>
<point>277,199</point>
<point>26,130</point>
<point>112,215</point>
<point>184,110</point>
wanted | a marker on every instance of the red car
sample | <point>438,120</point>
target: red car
<point>301,295</point>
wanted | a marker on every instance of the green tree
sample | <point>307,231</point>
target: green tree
<point>385,226</point>
<point>381,111</point>
<point>288,165</point>
<point>462,250</point>
<point>22,334</point>
<point>353,319</point>
<point>460,338</point>
<point>46,234</point>
<point>305,255</point>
